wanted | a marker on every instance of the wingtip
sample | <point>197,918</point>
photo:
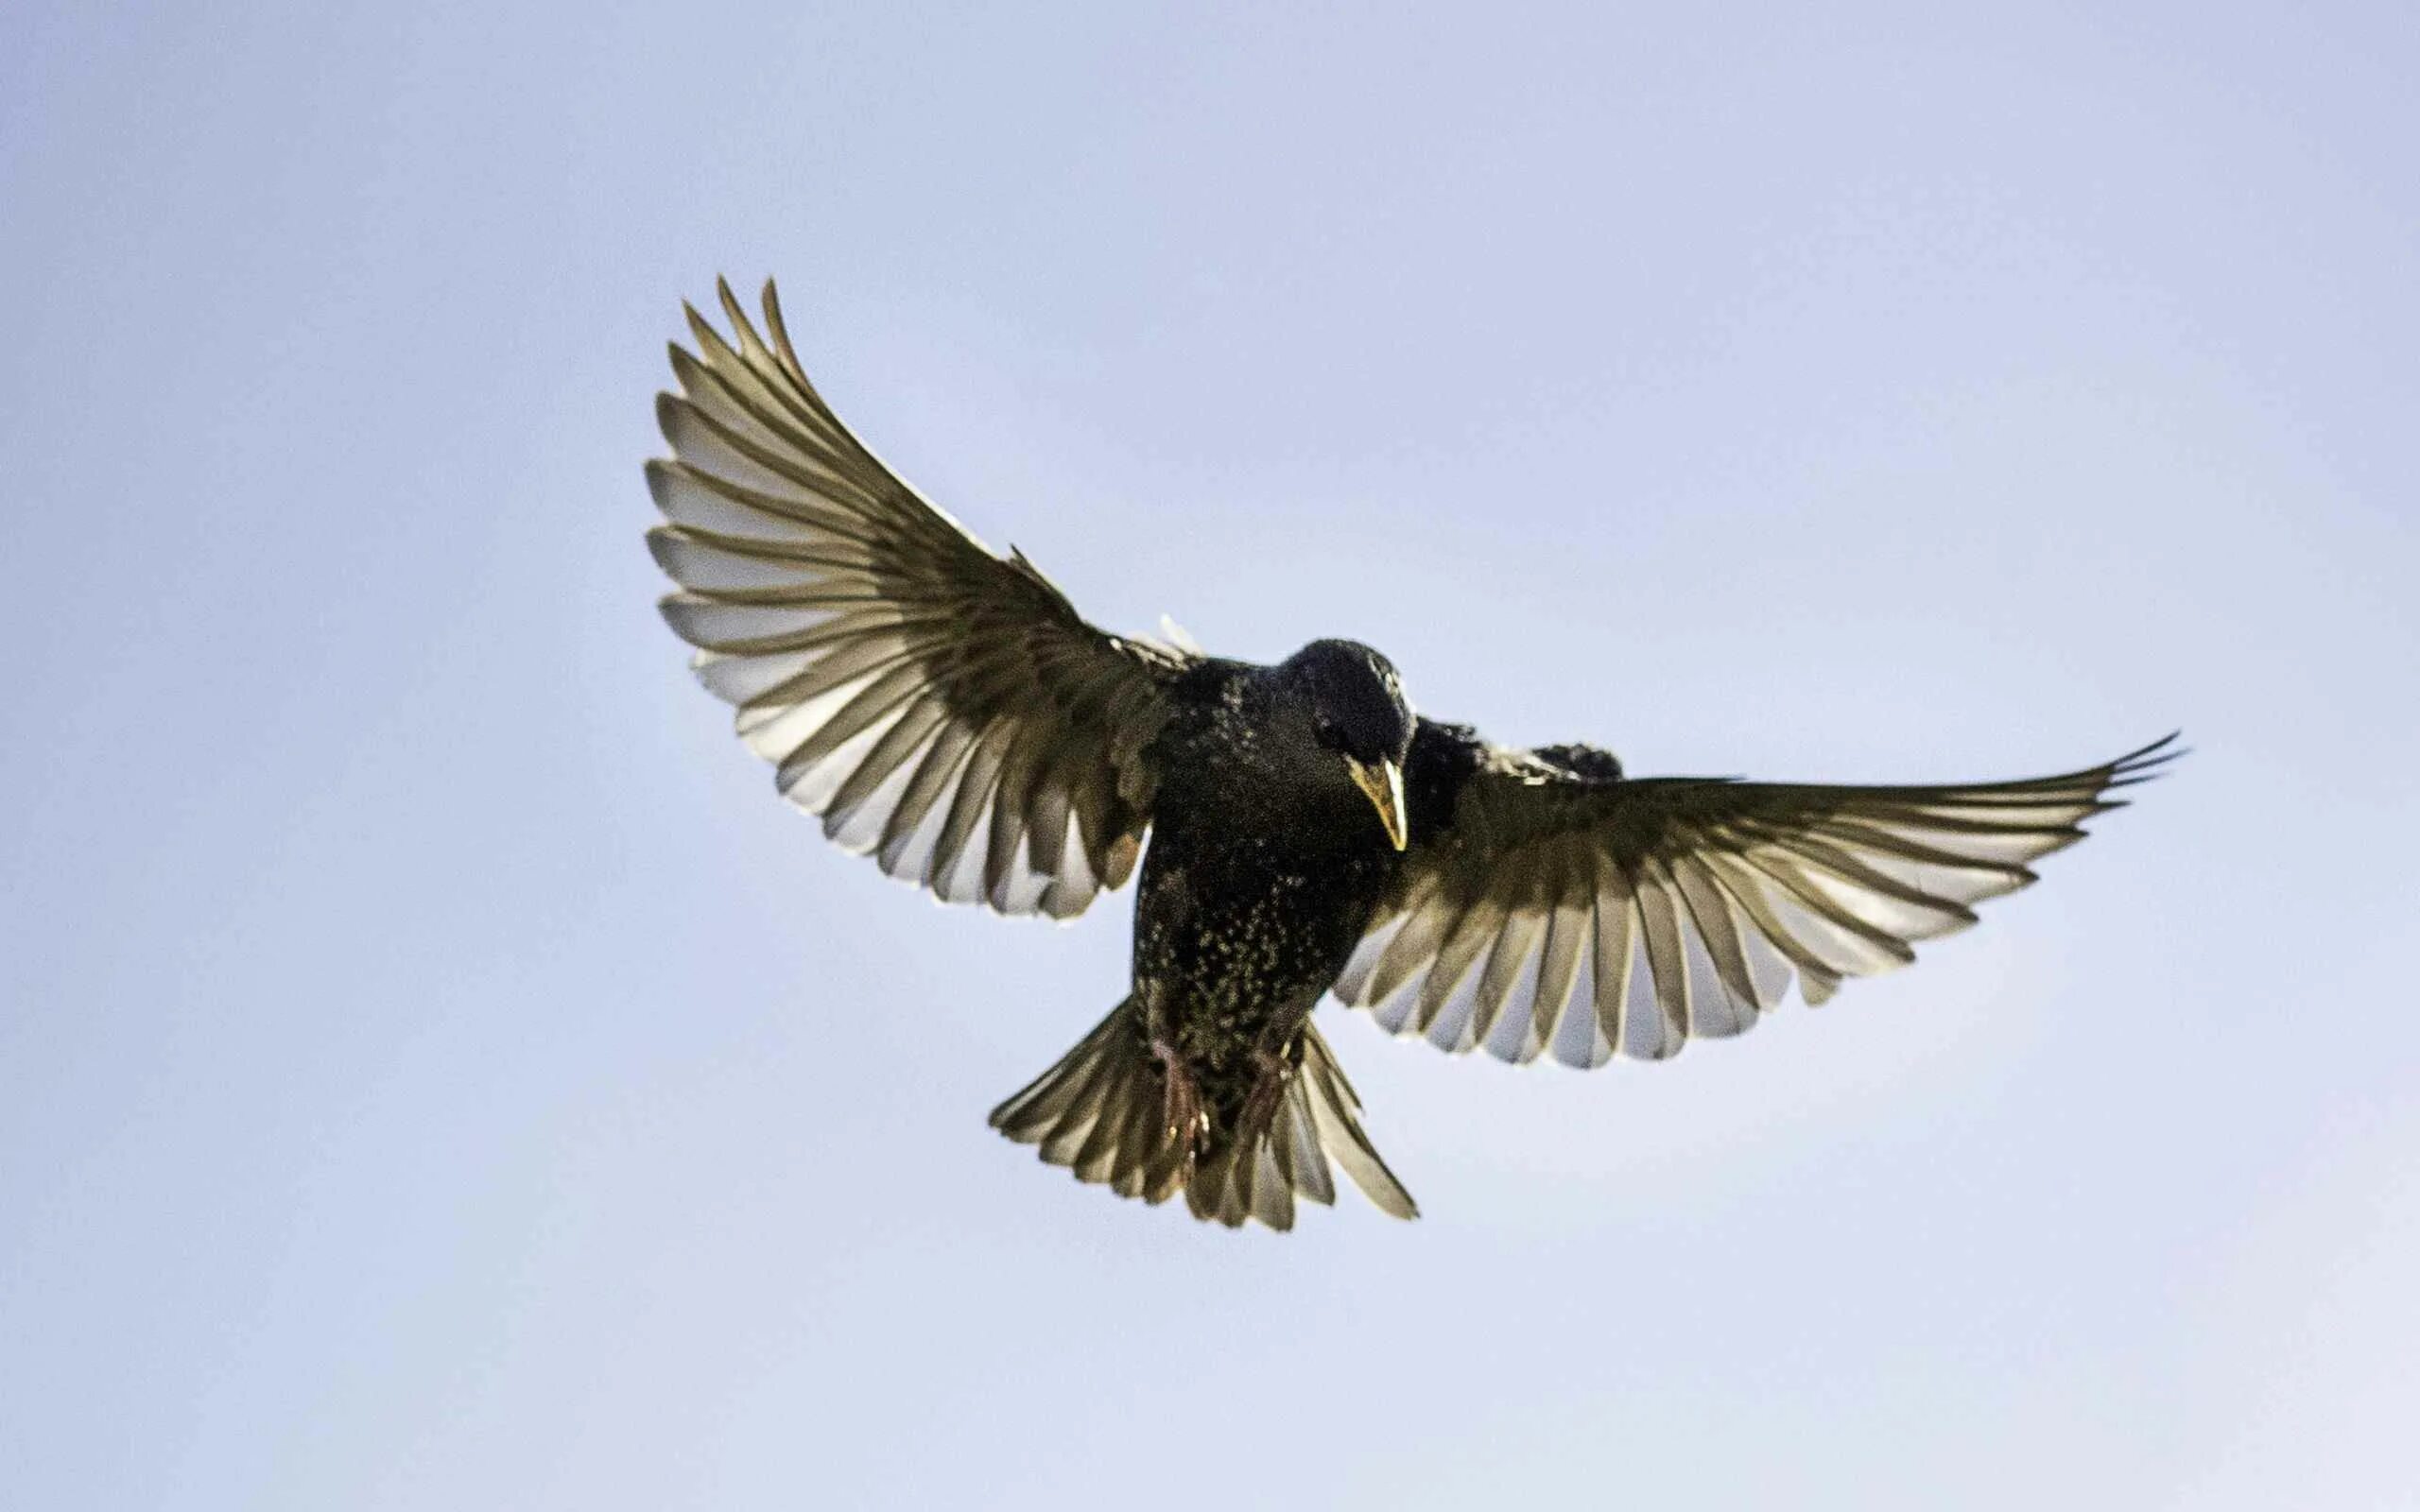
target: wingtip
<point>779,331</point>
<point>2145,763</point>
<point>741,329</point>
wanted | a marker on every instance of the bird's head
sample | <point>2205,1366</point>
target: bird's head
<point>1358,719</point>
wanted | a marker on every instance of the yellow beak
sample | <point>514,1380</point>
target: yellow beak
<point>1383,782</point>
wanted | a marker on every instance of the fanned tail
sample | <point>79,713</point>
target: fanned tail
<point>1103,1112</point>
<point>1317,1118</point>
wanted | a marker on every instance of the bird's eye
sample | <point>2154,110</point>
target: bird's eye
<point>1325,729</point>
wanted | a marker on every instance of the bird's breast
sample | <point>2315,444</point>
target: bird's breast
<point>1245,928</point>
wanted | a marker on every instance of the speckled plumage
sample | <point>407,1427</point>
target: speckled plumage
<point>1265,865</point>
<point>946,711</point>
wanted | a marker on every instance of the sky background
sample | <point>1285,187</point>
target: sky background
<point>436,1072</point>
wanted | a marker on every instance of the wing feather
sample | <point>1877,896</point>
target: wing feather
<point>941,706</point>
<point>1609,916</point>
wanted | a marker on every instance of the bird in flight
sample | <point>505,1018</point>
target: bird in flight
<point>946,711</point>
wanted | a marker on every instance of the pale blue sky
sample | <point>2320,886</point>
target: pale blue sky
<point>437,1073</point>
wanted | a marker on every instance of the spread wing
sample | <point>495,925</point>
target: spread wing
<point>1550,903</point>
<point>942,708</point>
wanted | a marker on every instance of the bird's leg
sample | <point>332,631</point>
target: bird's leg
<point>1273,1066</point>
<point>1180,1111</point>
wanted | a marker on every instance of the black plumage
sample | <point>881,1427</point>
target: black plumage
<point>948,711</point>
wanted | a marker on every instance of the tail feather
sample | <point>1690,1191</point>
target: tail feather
<point>1336,1112</point>
<point>1097,1112</point>
<point>1101,1112</point>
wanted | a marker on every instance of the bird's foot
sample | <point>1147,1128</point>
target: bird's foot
<point>1268,1090</point>
<point>1182,1112</point>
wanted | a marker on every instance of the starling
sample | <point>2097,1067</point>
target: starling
<point>946,711</point>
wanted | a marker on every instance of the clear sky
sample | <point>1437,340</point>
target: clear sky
<point>436,1072</point>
